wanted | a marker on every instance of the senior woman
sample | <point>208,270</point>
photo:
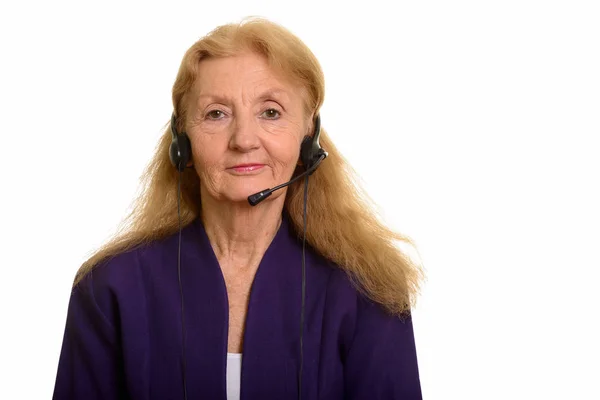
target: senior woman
<point>205,296</point>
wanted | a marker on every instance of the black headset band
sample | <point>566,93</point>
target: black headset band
<point>173,128</point>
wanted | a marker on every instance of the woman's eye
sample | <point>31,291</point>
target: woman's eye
<point>271,113</point>
<point>215,114</point>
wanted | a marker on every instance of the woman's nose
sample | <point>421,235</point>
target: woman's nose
<point>244,136</point>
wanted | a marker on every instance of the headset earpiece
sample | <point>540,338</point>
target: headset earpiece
<point>180,151</point>
<point>310,149</point>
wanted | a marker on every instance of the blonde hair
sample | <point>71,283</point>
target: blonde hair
<point>343,223</point>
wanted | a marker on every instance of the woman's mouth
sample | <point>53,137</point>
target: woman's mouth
<point>246,168</point>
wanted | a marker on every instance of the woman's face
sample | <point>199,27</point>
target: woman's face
<point>245,125</point>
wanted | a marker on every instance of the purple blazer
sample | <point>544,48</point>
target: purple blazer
<point>123,330</point>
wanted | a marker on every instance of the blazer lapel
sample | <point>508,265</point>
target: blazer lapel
<point>273,322</point>
<point>206,318</point>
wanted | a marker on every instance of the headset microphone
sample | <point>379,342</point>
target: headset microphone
<point>256,198</point>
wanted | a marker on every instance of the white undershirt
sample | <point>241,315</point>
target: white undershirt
<point>234,373</point>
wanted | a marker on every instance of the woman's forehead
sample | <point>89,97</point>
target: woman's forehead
<point>248,74</point>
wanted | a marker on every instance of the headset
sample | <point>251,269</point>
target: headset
<point>311,155</point>
<point>180,150</point>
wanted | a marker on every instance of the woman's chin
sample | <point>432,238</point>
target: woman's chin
<point>242,194</point>
<point>237,190</point>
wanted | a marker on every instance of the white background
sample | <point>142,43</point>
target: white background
<point>475,125</point>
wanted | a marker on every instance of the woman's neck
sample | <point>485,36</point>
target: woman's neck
<point>240,234</point>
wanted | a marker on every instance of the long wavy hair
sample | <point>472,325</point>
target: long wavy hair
<point>344,225</point>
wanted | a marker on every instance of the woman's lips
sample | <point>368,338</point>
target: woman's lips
<point>247,168</point>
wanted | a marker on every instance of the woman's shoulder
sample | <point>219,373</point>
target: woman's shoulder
<point>346,294</point>
<point>122,282</point>
<point>125,265</point>
<point>127,270</point>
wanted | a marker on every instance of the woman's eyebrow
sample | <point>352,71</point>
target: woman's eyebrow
<point>208,96</point>
<point>268,94</point>
<point>274,93</point>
